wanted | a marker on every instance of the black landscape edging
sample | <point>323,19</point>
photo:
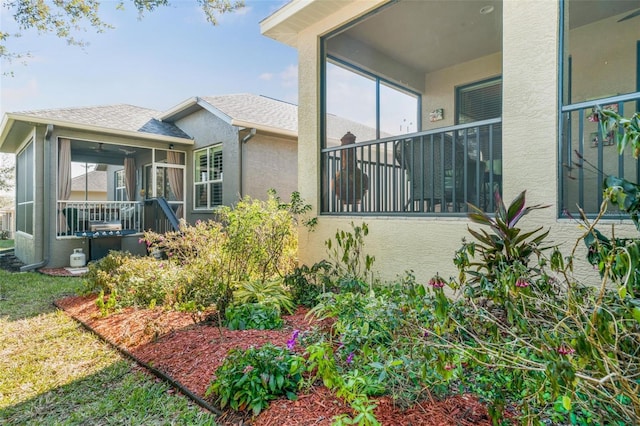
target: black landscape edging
<point>158,373</point>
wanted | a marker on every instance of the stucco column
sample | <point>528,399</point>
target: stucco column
<point>530,104</point>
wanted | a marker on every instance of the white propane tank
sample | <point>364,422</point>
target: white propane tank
<point>77,258</point>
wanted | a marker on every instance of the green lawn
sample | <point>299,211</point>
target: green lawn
<point>53,372</point>
<point>6,244</point>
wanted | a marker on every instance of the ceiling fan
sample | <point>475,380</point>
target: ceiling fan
<point>127,151</point>
<point>629,16</point>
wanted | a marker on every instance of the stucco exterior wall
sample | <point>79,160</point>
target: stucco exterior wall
<point>206,129</point>
<point>441,86</point>
<point>529,64</point>
<point>270,162</point>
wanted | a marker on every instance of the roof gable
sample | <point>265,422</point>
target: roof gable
<point>118,117</point>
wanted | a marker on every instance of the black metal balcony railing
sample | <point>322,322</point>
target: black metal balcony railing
<point>587,155</point>
<point>436,172</point>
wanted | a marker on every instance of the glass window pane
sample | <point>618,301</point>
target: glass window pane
<point>398,112</point>
<point>602,47</point>
<point>351,104</point>
<point>216,194</point>
<point>200,195</point>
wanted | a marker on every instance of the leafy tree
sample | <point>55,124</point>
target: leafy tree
<point>66,17</point>
<point>6,174</point>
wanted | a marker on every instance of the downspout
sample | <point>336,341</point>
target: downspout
<point>46,208</point>
<point>245,139</point>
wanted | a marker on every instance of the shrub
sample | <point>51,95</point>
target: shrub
<point>563,352</point>
<point>253,316</point>
<point>249,379</point>
<point>268,293</point>
<point>308,283</point>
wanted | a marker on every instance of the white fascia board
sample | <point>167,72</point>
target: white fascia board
<point>266,129</point>
<point>97,129</point>
<point>176,110</point>
<point>5,126</point>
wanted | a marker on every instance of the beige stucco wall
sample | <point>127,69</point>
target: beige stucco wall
<point>530,133</point>
<point>441,86</point>
<point>269,163</point>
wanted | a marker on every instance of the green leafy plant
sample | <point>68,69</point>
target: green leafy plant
<point>308,283</point>
<point>351,265</point>
<point>110,305</point>
<point>499,263</point>
<point>249,379</point>
<point>268,293</point>
<point>253,316</point>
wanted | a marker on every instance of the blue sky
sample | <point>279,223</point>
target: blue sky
<point>167,57</point>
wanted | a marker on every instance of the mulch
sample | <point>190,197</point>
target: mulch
<point>189,353</point>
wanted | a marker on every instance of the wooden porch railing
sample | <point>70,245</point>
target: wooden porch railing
<point>75,218</point>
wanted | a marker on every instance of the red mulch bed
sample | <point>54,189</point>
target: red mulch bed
<point>190,354</point>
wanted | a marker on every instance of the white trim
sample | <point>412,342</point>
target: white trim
<point>29,119</point>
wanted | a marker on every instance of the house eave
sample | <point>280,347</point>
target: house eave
<point>265,129</point>
<point>10,120</point>
<point>285,23</point>
<point>181,110</point>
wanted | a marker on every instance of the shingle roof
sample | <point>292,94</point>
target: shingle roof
<point>265,111</point>
<point>96,181</point>
<point>118,117</point>
<point>257,109</point>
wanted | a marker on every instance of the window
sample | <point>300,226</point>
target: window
<point>479,101</point>
<point>600,66</point>
<point>208,177</point>
<point>366,105</point>
<point>121,193</point>
<point>24,189</point>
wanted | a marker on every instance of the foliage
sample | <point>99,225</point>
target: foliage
<point>562,351</point>
<point>308,283</point>
<point>4,235</point>
<point>269,293</point>
<point>351,265</point>
<point>66,17</point>
<point>7,168</point>
<point>504,256</point>
<point>249,250</point>
<point>249,379</point>
<point>254,316</point>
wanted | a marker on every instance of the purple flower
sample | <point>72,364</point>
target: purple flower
<point>522,282</point>
<point>291,343</point>
<point>350,358</point>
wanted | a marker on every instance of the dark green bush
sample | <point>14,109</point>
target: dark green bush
<point>249,379</point>
<point>253,316</point>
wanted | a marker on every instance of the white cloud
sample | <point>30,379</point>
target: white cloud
<point>289,77</point>
<point>267,76</point>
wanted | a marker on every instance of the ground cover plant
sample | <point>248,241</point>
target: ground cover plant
<point>515,327</point>
<point>54,372</point>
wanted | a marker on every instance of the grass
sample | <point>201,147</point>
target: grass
<point>52,372</point>
<point>6,244</point>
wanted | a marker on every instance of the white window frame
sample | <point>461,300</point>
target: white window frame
<point>205,179</point>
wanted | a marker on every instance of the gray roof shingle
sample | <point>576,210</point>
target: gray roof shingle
<point>256,109</point>
<point>118,117</point>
